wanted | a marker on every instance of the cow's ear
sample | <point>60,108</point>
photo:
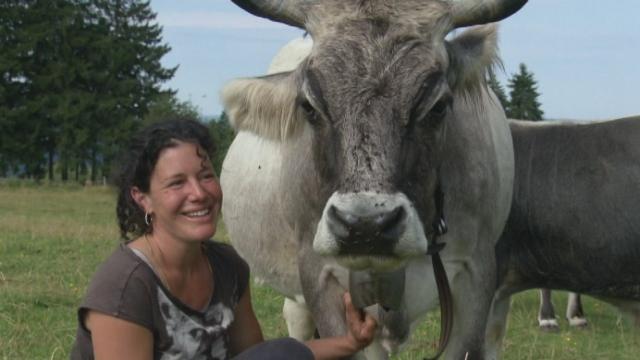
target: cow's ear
<point>472,53</point>
<point>264,105</point>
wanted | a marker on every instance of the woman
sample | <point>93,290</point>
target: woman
<point>169,291</point>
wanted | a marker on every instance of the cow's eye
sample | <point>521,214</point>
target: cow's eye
<point>309,110</point>
<point>307,107</point>
<point>439,109</point>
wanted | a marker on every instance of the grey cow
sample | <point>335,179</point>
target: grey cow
<point>336,162</point>
<point>575,218</point>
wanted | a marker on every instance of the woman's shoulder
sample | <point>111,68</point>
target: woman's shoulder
<point>123,287</point>
<point>122,259</point>
<point>118,270</point>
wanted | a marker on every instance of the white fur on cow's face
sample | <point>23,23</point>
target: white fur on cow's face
<point>410,243</point>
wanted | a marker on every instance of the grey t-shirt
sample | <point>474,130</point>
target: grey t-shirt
<point>126,287</point>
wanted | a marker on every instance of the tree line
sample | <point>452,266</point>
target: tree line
<point>77,78</point>
<point>522,102</point>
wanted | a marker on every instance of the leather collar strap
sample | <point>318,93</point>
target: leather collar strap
<point>444,292</point>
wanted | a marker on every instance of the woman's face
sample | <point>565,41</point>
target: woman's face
<point>184,194</point>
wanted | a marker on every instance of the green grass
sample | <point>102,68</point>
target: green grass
<point>52,238</point>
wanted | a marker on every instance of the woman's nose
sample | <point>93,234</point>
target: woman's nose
<point>196,190</point>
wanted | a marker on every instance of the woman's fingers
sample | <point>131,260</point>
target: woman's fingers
<point>362,326</point>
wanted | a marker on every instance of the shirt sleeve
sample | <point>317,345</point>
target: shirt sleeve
<point>121,288</point>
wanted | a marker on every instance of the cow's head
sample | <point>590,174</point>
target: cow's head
<point>374,95</point>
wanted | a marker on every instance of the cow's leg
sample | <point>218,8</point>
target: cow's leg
<point>327,304</point>
<point>324,297</point>
<point>629,308</point>
<point>473,287</point>
<point>632,308</point>
<point>375,351</point>
<point>575,314</point>
<point>497,324</point>
<point>323,289</point>
<point>298,318</point>
<point>546,315</point>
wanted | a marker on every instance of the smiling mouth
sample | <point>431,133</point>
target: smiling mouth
<point>199,213</point>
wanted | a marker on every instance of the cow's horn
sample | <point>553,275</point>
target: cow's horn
<point>285,11</point>
<point>475,12</point>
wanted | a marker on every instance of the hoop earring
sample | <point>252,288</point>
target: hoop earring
<point>147,219</point>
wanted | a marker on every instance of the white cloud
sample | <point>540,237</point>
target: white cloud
<point>215,20</point>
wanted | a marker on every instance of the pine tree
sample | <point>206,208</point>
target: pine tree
<point>222,135</point>
<point>131,51</point>
<point>497,88</point>
<point>12,82</point>
<point>34,82</point>
<point>168,106</point>
<point>76,79</point>
<point>524,94</point>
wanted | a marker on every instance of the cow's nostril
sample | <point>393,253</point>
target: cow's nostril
<point>340,223</point>
<point>367,229</point>
<point>344,218</point>
<point>394,224</point>
<point>388,220</point>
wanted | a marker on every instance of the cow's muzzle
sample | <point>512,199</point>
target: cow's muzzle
<point>370,225</point>
<point>374,233</point>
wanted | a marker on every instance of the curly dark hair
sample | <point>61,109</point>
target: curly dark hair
<point>139,160</point>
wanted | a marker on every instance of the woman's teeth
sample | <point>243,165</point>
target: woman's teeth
<point>198,213</point>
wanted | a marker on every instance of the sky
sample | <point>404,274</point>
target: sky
<point>585,55</point>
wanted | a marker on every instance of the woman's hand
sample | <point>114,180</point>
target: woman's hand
<point>361,326</point>
<point>361,329</point>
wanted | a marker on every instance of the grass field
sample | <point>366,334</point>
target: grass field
<point>53,237</point>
